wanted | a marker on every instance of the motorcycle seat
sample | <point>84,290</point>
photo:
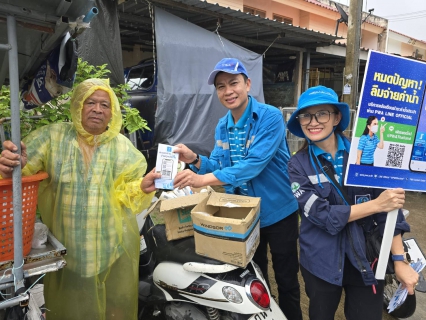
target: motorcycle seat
<point>180,251</point>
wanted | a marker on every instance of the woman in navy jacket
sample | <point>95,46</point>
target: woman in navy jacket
<point>332,242</point>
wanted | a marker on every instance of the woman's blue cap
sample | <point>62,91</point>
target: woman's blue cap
<point>228,65</point>
<point>317,96</point>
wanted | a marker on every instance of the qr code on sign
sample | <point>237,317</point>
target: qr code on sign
<point>395,155</point>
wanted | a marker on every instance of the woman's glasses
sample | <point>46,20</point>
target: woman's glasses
<point>322,116</point>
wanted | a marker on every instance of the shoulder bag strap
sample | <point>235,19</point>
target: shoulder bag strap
<point>330,173</point>
<point>328,170</point>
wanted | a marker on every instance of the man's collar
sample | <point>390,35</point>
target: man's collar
<point>242,121</point>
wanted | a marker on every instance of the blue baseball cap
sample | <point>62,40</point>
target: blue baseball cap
<point>313,97</point>
<point>228,65</point>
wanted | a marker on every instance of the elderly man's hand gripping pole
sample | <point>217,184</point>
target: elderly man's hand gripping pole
<point>10,159</point>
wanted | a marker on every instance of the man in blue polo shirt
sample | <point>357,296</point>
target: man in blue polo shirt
<point>250,158</point>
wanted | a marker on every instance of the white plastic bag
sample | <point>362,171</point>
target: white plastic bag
<point>40,236</point>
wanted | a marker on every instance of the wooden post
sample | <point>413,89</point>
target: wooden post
<point>350,79</point>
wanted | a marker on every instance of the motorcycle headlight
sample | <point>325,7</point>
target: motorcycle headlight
<point>232,294</point>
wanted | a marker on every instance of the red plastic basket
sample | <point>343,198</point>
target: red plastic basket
<point>29,206</point>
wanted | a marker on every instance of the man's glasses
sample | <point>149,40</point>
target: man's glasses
<point>322,116</point>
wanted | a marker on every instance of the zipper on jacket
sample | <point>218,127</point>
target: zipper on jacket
<point>247,138</point>
<point>358,261</point>
<point>340,253</point>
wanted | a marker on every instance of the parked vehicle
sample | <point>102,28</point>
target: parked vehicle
<point>178,284</point>
<point>143,96</point>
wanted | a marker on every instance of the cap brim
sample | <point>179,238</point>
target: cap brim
<point>212,76</point>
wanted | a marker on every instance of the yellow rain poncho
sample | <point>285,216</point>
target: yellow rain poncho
<point>89,203</point>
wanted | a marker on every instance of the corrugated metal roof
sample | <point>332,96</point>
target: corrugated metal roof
<point>322,5</point>
<point>262,21</point>
<point>331,8</point>
<point>39,26</point>
<point>253,32</point>
<point>342,44</point>
<point>422,41</point>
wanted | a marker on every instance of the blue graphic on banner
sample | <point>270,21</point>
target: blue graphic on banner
<point>379,177</point>
<point>393,91</point>
<point>393,88</point>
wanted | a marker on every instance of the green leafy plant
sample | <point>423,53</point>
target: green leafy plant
<point>27,124</point>
<point>58,109</point>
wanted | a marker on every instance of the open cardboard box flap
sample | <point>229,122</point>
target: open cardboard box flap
<point>182,202</point>
<point>222,199</point>
<point>175,213</point>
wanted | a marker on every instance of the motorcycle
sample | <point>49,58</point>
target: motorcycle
<point>177,284</point>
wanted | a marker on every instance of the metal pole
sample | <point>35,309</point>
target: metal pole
<point>5,47</point>
<point>16,139</point>
<point>14,301</point>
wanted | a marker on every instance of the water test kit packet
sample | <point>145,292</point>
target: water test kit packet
<point>167,164</point>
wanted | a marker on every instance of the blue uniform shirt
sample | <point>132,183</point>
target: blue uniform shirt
<point>337,162</point>
<point>263,167</point>
<point>368,146</point>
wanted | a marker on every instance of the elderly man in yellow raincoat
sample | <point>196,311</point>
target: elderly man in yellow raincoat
<point>89,202</point>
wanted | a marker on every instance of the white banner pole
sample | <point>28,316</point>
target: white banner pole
<point>386,244</point>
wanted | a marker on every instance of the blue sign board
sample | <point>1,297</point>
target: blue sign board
<point>388,148</point>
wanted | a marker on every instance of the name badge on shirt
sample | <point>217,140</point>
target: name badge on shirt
<point>362,198</point>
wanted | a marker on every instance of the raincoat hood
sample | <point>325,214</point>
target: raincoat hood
<point>80,94</point>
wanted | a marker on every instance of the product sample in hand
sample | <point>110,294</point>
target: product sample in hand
<point>167,164</point>
<point>418,262</point>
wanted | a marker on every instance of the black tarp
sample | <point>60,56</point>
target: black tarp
<point>101,43</point>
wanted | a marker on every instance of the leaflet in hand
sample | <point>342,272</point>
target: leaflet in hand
<point>401,294</point>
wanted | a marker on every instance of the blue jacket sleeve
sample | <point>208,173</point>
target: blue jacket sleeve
<point>313,203</point>
<point>212,163</point>
<point>267,139</point>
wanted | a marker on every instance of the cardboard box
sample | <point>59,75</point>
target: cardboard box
<point>176,214</point>
<point>227,227</point>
